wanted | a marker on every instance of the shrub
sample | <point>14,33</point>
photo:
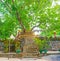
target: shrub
<point>6,46</point>
<point>42,44</point>
<point>17,46</point>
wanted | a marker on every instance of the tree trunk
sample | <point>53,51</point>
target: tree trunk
<point>29,48</point>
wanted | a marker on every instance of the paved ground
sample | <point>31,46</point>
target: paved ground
<point>53,52</point>
<point>52,57</point>
<point>45,58</point>
<point>24,59</point>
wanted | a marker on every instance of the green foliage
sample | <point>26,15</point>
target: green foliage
<point>59,50</point>
<point>42,44</point>
<point>17,46</point>
<point>30,12</point>
<point>6,46</point>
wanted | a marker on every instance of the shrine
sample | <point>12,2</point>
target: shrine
<point>27,45</point>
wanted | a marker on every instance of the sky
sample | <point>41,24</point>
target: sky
<point>55,2</point>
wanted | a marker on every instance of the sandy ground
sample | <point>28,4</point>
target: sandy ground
<point>23,59</point>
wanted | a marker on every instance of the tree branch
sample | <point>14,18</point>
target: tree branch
<point>35,26</point>
<point>19,19</point>
<point>17,14</point>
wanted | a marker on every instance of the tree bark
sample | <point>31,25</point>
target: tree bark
<point>19,19</point>
<point>35,26</point>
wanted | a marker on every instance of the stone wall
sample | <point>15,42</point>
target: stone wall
<point>54,45</point>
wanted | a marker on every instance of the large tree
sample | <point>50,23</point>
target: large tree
<point>28,14</point>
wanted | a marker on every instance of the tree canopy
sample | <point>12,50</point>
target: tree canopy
<point>28,14</point>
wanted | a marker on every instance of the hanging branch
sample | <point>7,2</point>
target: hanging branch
<point>19,19</point>
<point>35,26</point>
<point>17,14</point>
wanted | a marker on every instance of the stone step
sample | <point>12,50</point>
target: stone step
<point>31,55</point>
<point>32,51</point>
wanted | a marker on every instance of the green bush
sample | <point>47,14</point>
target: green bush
<point>59,50</point>
<point>42,44</point>
<point>17,46</point>
<point>6,46</point>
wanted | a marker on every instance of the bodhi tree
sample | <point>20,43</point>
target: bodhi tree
<point>26,15</point>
